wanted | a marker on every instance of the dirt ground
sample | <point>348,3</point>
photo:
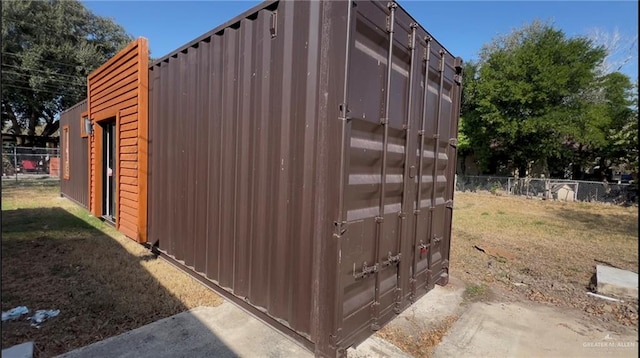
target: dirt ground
<point>55,256</point>
<point>544,251</point>
<point>528,252</point>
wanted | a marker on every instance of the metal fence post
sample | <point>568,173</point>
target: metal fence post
<point>15,163</point>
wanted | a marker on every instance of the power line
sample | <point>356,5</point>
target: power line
<point>47,72</point>
<point>43,87</point>
<point>61,81</point>
<point>21,56</point>
<point>32,89</point>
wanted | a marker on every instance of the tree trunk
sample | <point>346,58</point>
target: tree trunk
<point>15,126</point>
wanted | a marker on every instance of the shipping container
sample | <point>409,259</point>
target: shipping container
<point>74,155</point>
<point>298,159</point>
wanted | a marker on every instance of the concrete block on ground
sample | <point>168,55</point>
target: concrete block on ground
<point>616,282</point>
<point>24,350</point>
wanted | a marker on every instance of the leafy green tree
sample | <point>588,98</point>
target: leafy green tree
<point>531,99</point>
<point>623,134</point>
<point>48,49</point>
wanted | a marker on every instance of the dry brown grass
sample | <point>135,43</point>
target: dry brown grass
<point>55,256</point>
<point>535,250</point>
<point>423,342</point>
<point>552,248</point>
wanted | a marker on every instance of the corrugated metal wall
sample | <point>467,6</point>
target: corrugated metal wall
<point>76,187</point>
<point>242,182</point>
<point>398,167</point>
<point>294,169</point>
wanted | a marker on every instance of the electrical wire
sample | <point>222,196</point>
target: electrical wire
<point>21,56</point>
<point>48,73</point>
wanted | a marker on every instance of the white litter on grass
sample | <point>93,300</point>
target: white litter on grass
<point>604,297</point>
<point>41,316</point>
<point>14,313</point>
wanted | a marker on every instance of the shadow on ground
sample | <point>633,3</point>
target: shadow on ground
<point>600,222</point>
<point>52,259</point>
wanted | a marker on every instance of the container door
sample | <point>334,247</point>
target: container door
<point>435,161</point>
<point>378,195</point>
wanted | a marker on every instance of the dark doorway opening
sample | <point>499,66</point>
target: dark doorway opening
<point>109,161</point>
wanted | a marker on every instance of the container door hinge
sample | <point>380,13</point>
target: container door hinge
<point>340,228</point>
<point>457,64</point>
<point>343,108</point>
<point>453,142</point>
<point>334,338</point>
<point>449,204</point>
<point>366,270</point>
<point>457,79</point>
<point>391,260</point>
<point>274,24</point>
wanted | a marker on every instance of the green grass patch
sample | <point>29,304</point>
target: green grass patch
<point>476,292</point>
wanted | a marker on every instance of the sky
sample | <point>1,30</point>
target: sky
<point>463,27</point>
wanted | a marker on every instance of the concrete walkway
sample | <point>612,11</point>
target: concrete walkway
<point>483,330</point>
<point>222,331</point>
<point>531,330</point>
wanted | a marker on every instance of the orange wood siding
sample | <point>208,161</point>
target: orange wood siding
<point>119,89</point>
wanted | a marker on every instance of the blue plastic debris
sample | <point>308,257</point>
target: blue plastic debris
<point>14,313</point>
<point>41,316</point>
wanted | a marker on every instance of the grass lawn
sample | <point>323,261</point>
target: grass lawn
<point>56,256</point>
<point>544,251</point>
<point>534,251</point>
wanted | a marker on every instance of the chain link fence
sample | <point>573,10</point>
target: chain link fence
<point>30,163</point>
<point>558,189</point>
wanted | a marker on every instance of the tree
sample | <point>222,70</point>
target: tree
<point>48,50</point>
<point>529,99</point>
<point>623,148</point>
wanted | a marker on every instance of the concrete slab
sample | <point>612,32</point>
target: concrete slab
<point>222,331</point>
<point>616,282</point>
<point>519,330</point>
<point>24,350</point>
<point>376,347</point>
<point>431,309</point>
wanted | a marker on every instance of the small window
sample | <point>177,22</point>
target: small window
<point>85,125</point>
<point>65,152</point>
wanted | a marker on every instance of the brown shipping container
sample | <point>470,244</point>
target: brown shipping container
<point>298,174</point>
<point>74,154</point>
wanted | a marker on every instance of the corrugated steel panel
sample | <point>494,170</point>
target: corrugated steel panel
<point>77,186</point>
<point>295,171</point>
